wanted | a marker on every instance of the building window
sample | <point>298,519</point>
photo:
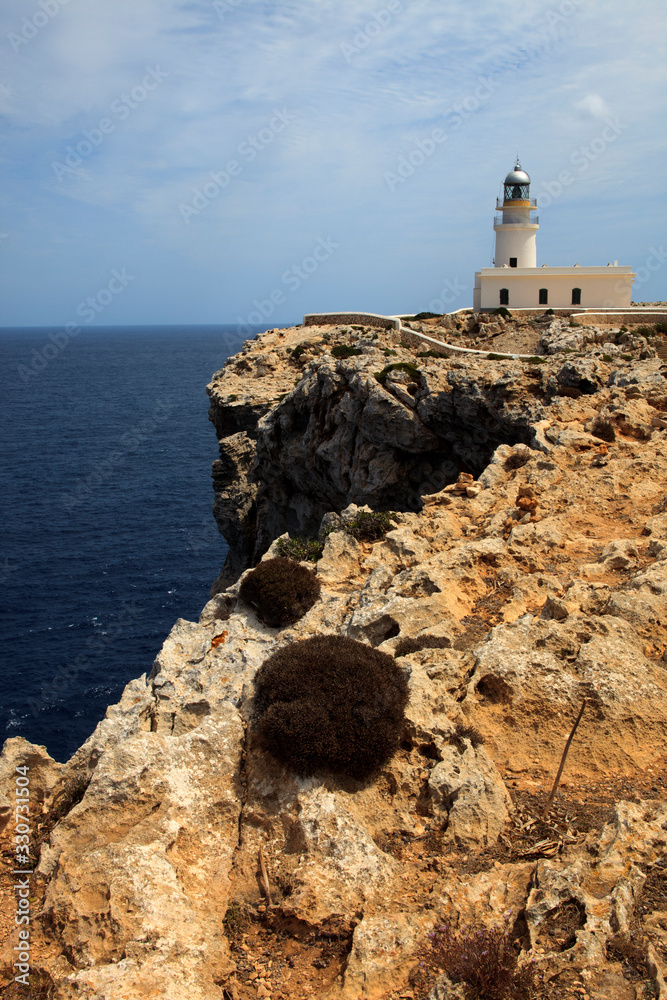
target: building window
<point>576,296</point>
<point>544,296</point>
<point>512,261</point>
<point>504,296</point>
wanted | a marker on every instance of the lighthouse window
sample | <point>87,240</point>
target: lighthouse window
<point>513,261</point>
<point>576,296</point>
<point>544,296</point>
<point>504,296</point>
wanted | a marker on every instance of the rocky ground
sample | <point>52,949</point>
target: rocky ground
<point>528,561</point>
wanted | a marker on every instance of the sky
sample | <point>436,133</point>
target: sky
<point>245,162</point>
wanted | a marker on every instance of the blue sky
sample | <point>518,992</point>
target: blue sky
<point>240,160</point>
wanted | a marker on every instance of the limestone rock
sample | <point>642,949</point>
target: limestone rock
<point>466,788</point>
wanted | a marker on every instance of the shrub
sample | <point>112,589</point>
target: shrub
<point>603,429</point>
<point>330,703</point>
<point>398,366</point>
<point>499,357</point>
<point>280,591</point>
<point>536,359</point>
<point>300,549</point>
<point>518,457</point>
<point>370,526</point>
<point>483,959</point>
<point>432,354</point>
<point>548,312</point>
<point>661,327</point>
<point>502,311</point>
<point>466,732</point>
<point>645,330</point>
<point>412,644</point>
<point>427,315</point>
<point>343,351</point>
<point>387,351</point>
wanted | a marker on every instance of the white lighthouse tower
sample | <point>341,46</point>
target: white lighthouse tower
<point>516,282</point>
<point>516,231</point>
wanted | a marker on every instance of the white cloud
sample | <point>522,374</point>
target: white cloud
<point>594,105</point>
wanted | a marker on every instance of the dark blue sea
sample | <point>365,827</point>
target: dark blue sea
<point>107,530</point>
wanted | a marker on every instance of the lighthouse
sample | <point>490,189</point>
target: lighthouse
<point>516,282</point>
<point>515,228</point>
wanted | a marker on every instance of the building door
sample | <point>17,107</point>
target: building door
<point>504,296</point>
<point>576,296</point>
<point>544,296</point>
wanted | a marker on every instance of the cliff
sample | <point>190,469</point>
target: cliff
<point>527,561</point>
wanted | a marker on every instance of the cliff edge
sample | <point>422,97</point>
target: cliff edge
<point>523,576</point>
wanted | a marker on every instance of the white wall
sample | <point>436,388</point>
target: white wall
<point>600,286</point>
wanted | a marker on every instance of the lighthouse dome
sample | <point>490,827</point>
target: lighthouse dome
<point>517,176</point>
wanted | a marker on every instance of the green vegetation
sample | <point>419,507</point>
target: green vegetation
<point>343,351</point>
<point>370,526</point>
<point>432,354</point>
<point>232,398</point>
<point>402,366</point>
<point>535,360</point>
<point>387,351</point>
<point>300,549</point>
<point>280,591</point>
<point>502,311</point>
<point>499,357</point>
<point>330,704</point>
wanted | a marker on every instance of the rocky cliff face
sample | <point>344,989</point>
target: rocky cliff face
<point>535,581</point>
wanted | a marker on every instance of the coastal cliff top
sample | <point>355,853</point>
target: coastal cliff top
<point>522,575</point>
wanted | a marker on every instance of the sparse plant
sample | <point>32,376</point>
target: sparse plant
<point>518,457</point>
<point>343,351</point>
<point>370,526</point>
<point>413,644</point>
<point>330,704</point>
<point>398,366</point>
<point>387,351</point>
<point>281,591</point>
<point>300,549</point>
<point>484,959</point>
<point>235,920</point>
<point>603,429</point>
<point>463,731</point>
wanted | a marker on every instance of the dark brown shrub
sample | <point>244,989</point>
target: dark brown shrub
<point>518,457</point>
<point>603,429</point>
<point>413,645</point>
<point>466,732</point>
<point>280,590</point>
<point>332,704</point>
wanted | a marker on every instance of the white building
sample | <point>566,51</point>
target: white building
<point>517,282</point>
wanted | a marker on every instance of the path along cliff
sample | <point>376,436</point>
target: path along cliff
<point>526,563</point>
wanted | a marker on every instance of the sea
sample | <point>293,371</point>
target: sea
<point>107,531</point>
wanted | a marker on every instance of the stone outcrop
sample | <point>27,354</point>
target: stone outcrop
<point>527,565</point>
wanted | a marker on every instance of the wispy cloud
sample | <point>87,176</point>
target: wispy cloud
<point>414,67</point>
